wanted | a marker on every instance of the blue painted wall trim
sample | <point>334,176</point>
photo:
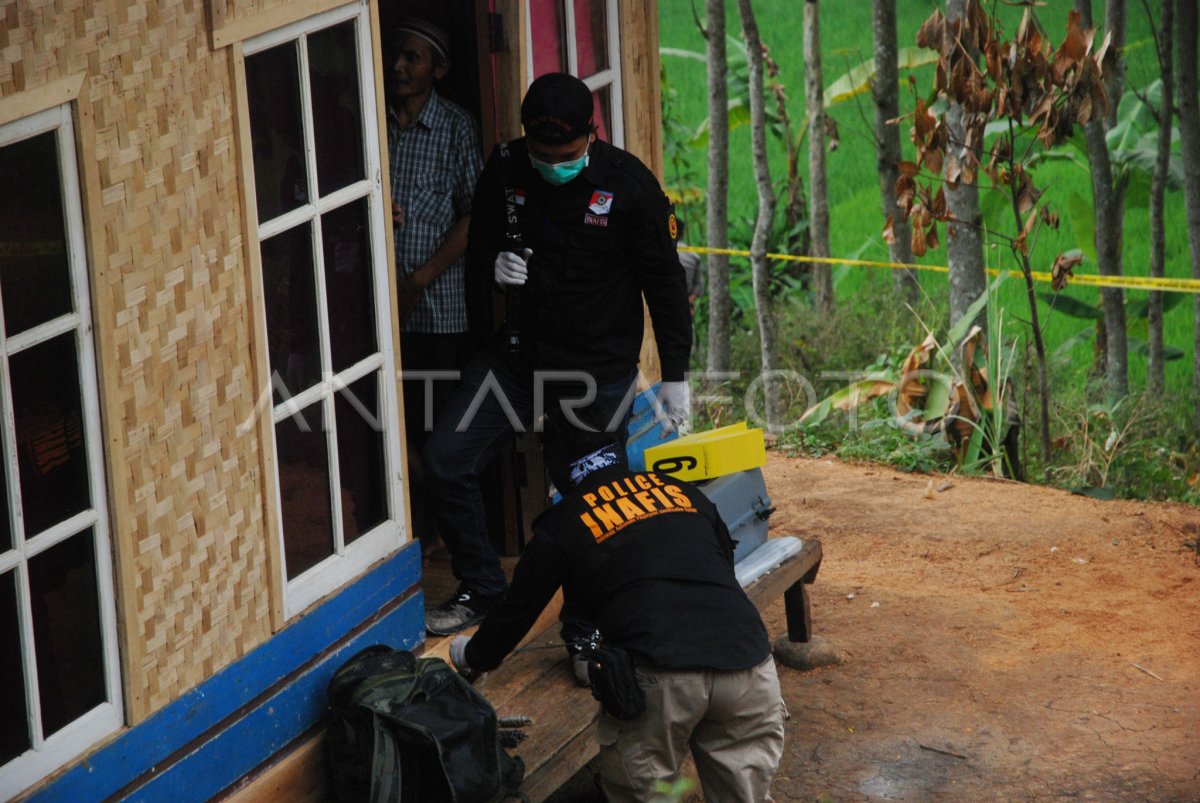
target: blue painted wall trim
<point>251,740</point>
<point>295,706</point>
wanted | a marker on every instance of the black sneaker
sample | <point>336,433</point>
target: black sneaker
<point>464,609</point>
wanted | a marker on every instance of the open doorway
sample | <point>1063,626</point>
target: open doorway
<point>470,81</point>
<point>468,84</point>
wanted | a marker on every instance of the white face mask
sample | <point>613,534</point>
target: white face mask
<point>559,173</point>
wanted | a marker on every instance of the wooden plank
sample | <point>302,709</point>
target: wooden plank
<point>38,98</point>
<point>510,74</point>
<point>122,532</point>
<point>773,584</point>
<point>539,684</point>
<point>487,77</point>
<point>228,29</point>
<point>300,776</point>
<point>640,90</point>
<point>799,612</point>
<point>260,363</point>
<point>385,170</point>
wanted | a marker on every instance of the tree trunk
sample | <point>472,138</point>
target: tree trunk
<point>760,265</point>
<point>1114,86</point>
<point>1114,79</point>
<point>814,93</point>
<point>795,210</point>
<point>719,305</point>
<point>964,240</point>
<point>1156,367</point>
<point>885,88</point>
<point>1189,135</point>
<point>1108,249</point>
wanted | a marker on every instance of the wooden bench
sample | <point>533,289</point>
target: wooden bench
<point>536,683</point>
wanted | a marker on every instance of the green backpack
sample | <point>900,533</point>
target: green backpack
<point>409,730</point>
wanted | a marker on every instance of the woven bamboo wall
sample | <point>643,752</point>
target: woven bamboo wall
<point>163,204</point>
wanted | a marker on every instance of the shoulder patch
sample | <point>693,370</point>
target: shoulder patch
<point>673,226</point>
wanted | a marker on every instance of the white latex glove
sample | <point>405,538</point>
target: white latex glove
<point>673,406</point>
<point>512,269</point>
<point>458,654</point>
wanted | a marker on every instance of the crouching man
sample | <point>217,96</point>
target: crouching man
<point>648,559</point>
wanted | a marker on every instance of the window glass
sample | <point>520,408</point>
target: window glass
<point>360,456</point>
<point>602,112</point>
<point>348,276</point>
<point>591,36</point>
<point>58,657</point>
<point>35,281</point>
<point>66,631</point>
<point>327,325</point>
<point>14,714</point>
<point>337,110</point>
<point>48,415</point>
<point>276,132</point>
<point>291,303</point>
<point>301,443</point>
<point>549,42</point>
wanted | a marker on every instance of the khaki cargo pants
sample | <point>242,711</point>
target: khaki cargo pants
<point>731,721</point>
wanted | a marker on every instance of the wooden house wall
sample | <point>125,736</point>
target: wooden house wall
<point>162,203</point>
<point>152,89</point>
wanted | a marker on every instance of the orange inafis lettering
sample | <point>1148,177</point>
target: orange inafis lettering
<point>678,495</point>
<point>608,517</point>
<point>646,501</point>
<point>628,508</point>
<point>662,497</point>
<point>591,524</point>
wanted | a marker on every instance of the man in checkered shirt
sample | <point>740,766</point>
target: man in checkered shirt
<point>434,152</point>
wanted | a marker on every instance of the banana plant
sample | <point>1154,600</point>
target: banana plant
<point>960,390</point>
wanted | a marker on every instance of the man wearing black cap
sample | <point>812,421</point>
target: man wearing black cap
<point>591,234</point>
<point>435,159</point>
<point>649,558</point>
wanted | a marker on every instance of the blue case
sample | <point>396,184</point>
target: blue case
<point>643,432</point>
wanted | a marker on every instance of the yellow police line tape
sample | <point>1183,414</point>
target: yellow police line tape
<point>1126,282</point>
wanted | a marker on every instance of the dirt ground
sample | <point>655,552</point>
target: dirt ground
<point>1001,641</point>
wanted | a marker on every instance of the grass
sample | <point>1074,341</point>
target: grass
<point>867,324</point>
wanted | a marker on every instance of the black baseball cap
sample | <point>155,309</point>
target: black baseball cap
<point>557,109</point>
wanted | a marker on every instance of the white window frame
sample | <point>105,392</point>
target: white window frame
<point>610,77</point>
<point>348,560</point>
<point>48,754</point>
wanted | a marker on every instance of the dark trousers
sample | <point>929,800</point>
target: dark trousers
<point>431,365</point>
<point>498,395</point>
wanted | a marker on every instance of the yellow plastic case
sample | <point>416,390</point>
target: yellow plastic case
<point>704,455</point>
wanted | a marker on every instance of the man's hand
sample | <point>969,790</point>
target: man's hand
<point>512,269</point>
<point>458,658</point>
<point>408,293</point>
<point>673,406</point>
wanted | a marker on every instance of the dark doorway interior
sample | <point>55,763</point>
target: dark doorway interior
<point>462,83</point>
